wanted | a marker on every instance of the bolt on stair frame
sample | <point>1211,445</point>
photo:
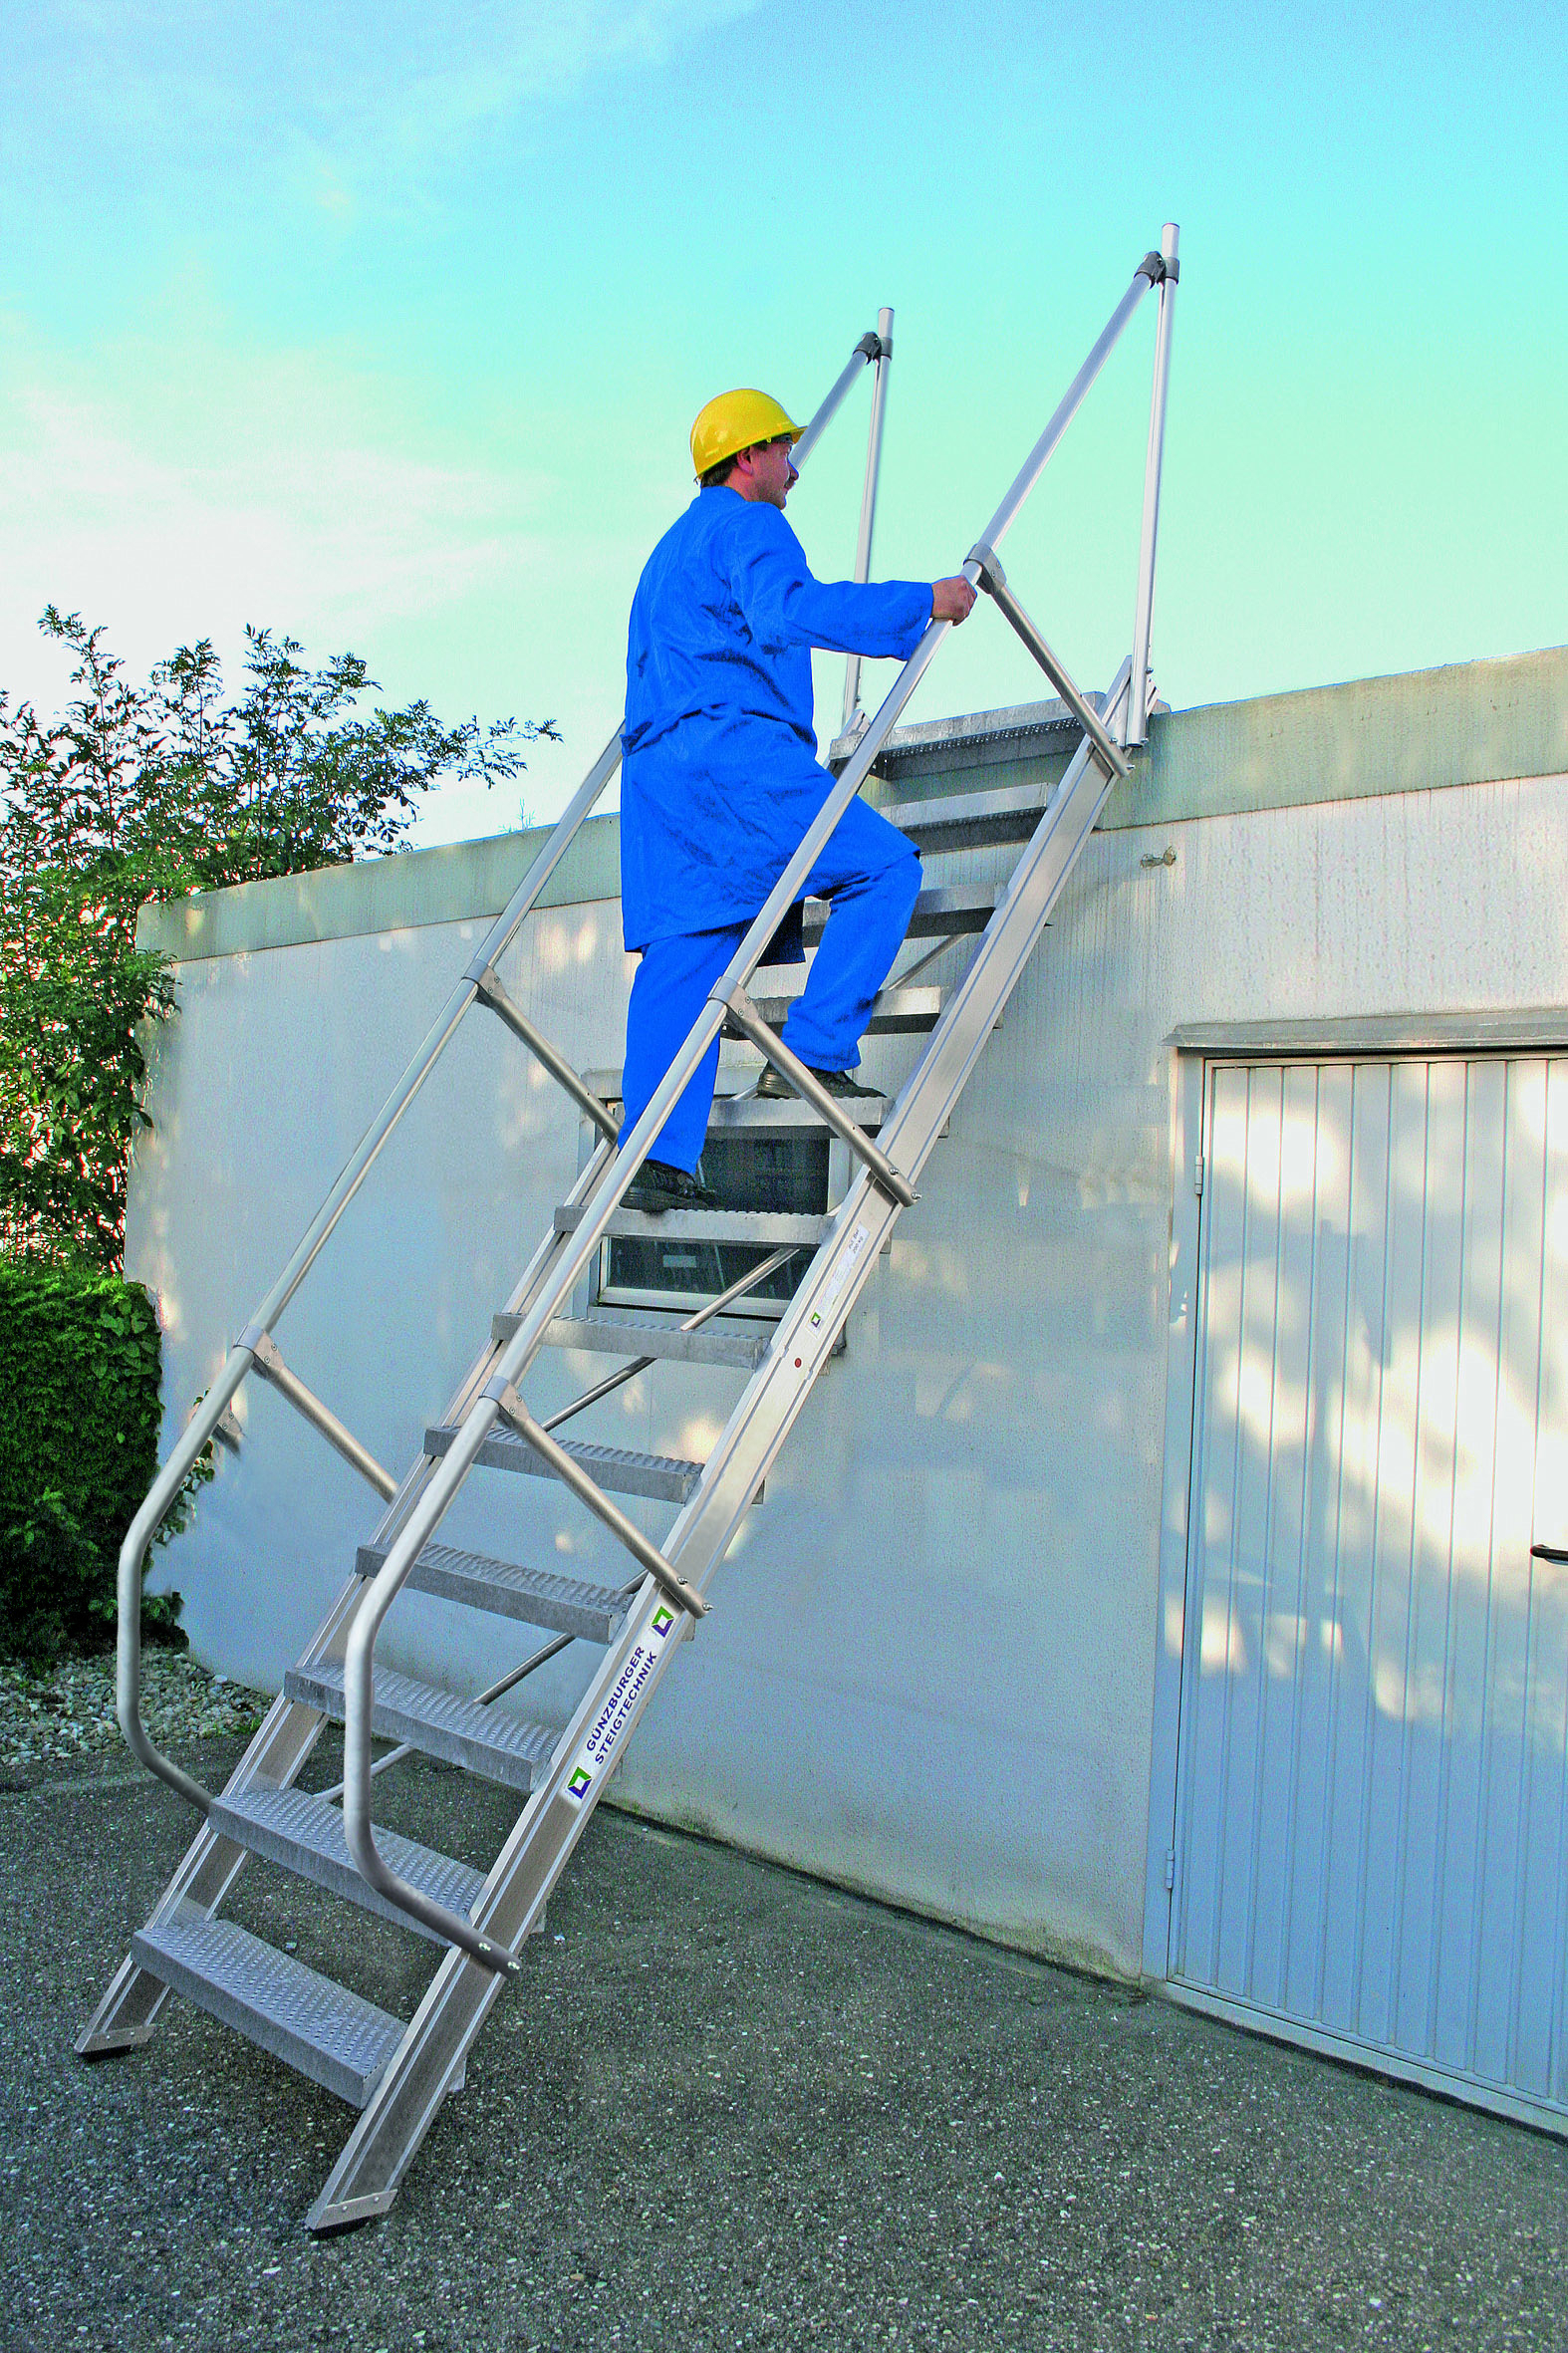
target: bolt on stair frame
<point>479,981</point>
<point>881,1164</point>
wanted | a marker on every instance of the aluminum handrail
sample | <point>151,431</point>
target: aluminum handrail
<point>600,1204</point>
<point>241,1356</point>
<point>1144,610</point>
<point>868,523</point>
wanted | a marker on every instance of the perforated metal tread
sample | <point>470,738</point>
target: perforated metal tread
<point>709,1344</point>
<point>938,912</point>
<point>969,821</point>
<point>539,1597</point>
<point>749,1111</point>
<point>619,1470</point>
<point>761,1230</point>
<point>482,1740</point>
<point>305,1834</point>
<point>897,1013</point>
<point>769,1112</point>
<point>322,2029</point>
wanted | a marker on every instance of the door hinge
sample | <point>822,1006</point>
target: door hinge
<point>1198,1174</point>
<point>1170,1868</point>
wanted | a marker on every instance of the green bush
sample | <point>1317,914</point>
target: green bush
<point>80,1364</point>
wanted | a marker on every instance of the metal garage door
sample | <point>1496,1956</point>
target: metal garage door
<point>1371,1818</point>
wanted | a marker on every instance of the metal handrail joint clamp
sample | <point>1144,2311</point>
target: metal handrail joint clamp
<point>892,1180</point>
<point>1112,758</point>
<point>571,1474</point>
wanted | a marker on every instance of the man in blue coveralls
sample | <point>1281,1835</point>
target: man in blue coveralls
<point>721,778</point>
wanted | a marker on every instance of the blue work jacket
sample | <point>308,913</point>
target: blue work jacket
<point>720,776</point>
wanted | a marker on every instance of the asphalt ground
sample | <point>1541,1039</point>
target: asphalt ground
<point>729,2106</point>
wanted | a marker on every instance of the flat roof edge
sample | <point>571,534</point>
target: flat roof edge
<point>1465,723</point>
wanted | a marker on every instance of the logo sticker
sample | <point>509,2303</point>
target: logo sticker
<point>579,1783</point>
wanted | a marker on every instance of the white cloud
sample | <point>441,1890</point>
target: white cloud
<point>279,493</point>
<point>338,95</point>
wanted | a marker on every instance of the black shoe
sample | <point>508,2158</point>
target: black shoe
<point>657,1186</point>
<point>775,1087</point>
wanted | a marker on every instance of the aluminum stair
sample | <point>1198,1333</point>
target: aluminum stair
<point>304,1835</point>
<point>398,2074</point>
<point>324,2031</point>
<point>741,1351</point>
<point>940,912</point>
<point>756,1229</point>
<point>622,1470</point>
<point>564,1605</point>
<point>482,1740</point>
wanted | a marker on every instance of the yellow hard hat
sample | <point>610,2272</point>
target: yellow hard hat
<point>736,421</point>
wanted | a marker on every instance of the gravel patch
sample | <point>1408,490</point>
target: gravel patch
<point>725,2107</point>
<point>69,1710</point>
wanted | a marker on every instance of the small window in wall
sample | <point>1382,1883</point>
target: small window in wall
<point>785,1174</point>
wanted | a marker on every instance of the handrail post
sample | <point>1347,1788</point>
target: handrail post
<point>1143,619</point>
<point>862,572</point>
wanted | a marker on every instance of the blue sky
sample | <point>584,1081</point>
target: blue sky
<point>386,327</point>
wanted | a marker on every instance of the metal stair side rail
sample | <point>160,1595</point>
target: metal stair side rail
<point>255,1350</point>
<point>671,1598</point>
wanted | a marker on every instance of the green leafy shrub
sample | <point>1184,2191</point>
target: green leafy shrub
<point>80,1364</point>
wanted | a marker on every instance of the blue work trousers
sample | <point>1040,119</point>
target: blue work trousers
<point>872,875</point>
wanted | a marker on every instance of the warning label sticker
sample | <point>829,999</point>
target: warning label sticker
<point>620,1705</point>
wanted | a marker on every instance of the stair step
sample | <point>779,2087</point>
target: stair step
<point>940,912</point>
<point>621,1471</point>
<point>306,1835</point>
<point>761,1230</point>
<point>561,1605</point>
<point>482,1740</point>
<point>319,2028</point>
<point>969,821</point>
<point>748,1111</point>
<point>769,1112</point>
<point>716,1343</point>
<point>897,1013</point>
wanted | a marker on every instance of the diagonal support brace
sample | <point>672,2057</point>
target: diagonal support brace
<point>993,580</point>
<point>571,1474</point>
<point>491,989</point>
<point>270,1365</point>
<point>811,1090</point>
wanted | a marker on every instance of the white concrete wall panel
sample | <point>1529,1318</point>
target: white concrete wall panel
<point>962,1538</point>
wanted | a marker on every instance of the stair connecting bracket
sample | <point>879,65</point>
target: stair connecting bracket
<point>586,1491</point>
<point>811,1090</point>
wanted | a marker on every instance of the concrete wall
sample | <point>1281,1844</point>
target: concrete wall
<point>930,1668</point>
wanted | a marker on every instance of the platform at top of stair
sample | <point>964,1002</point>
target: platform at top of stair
<point>305,1834</point>
<point>322,2029</point>
<point>484,1740</point>
<point>539,1597</point>
<point>621,1471</point>
<point>718,1342</point>
<point>761,1230</point>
